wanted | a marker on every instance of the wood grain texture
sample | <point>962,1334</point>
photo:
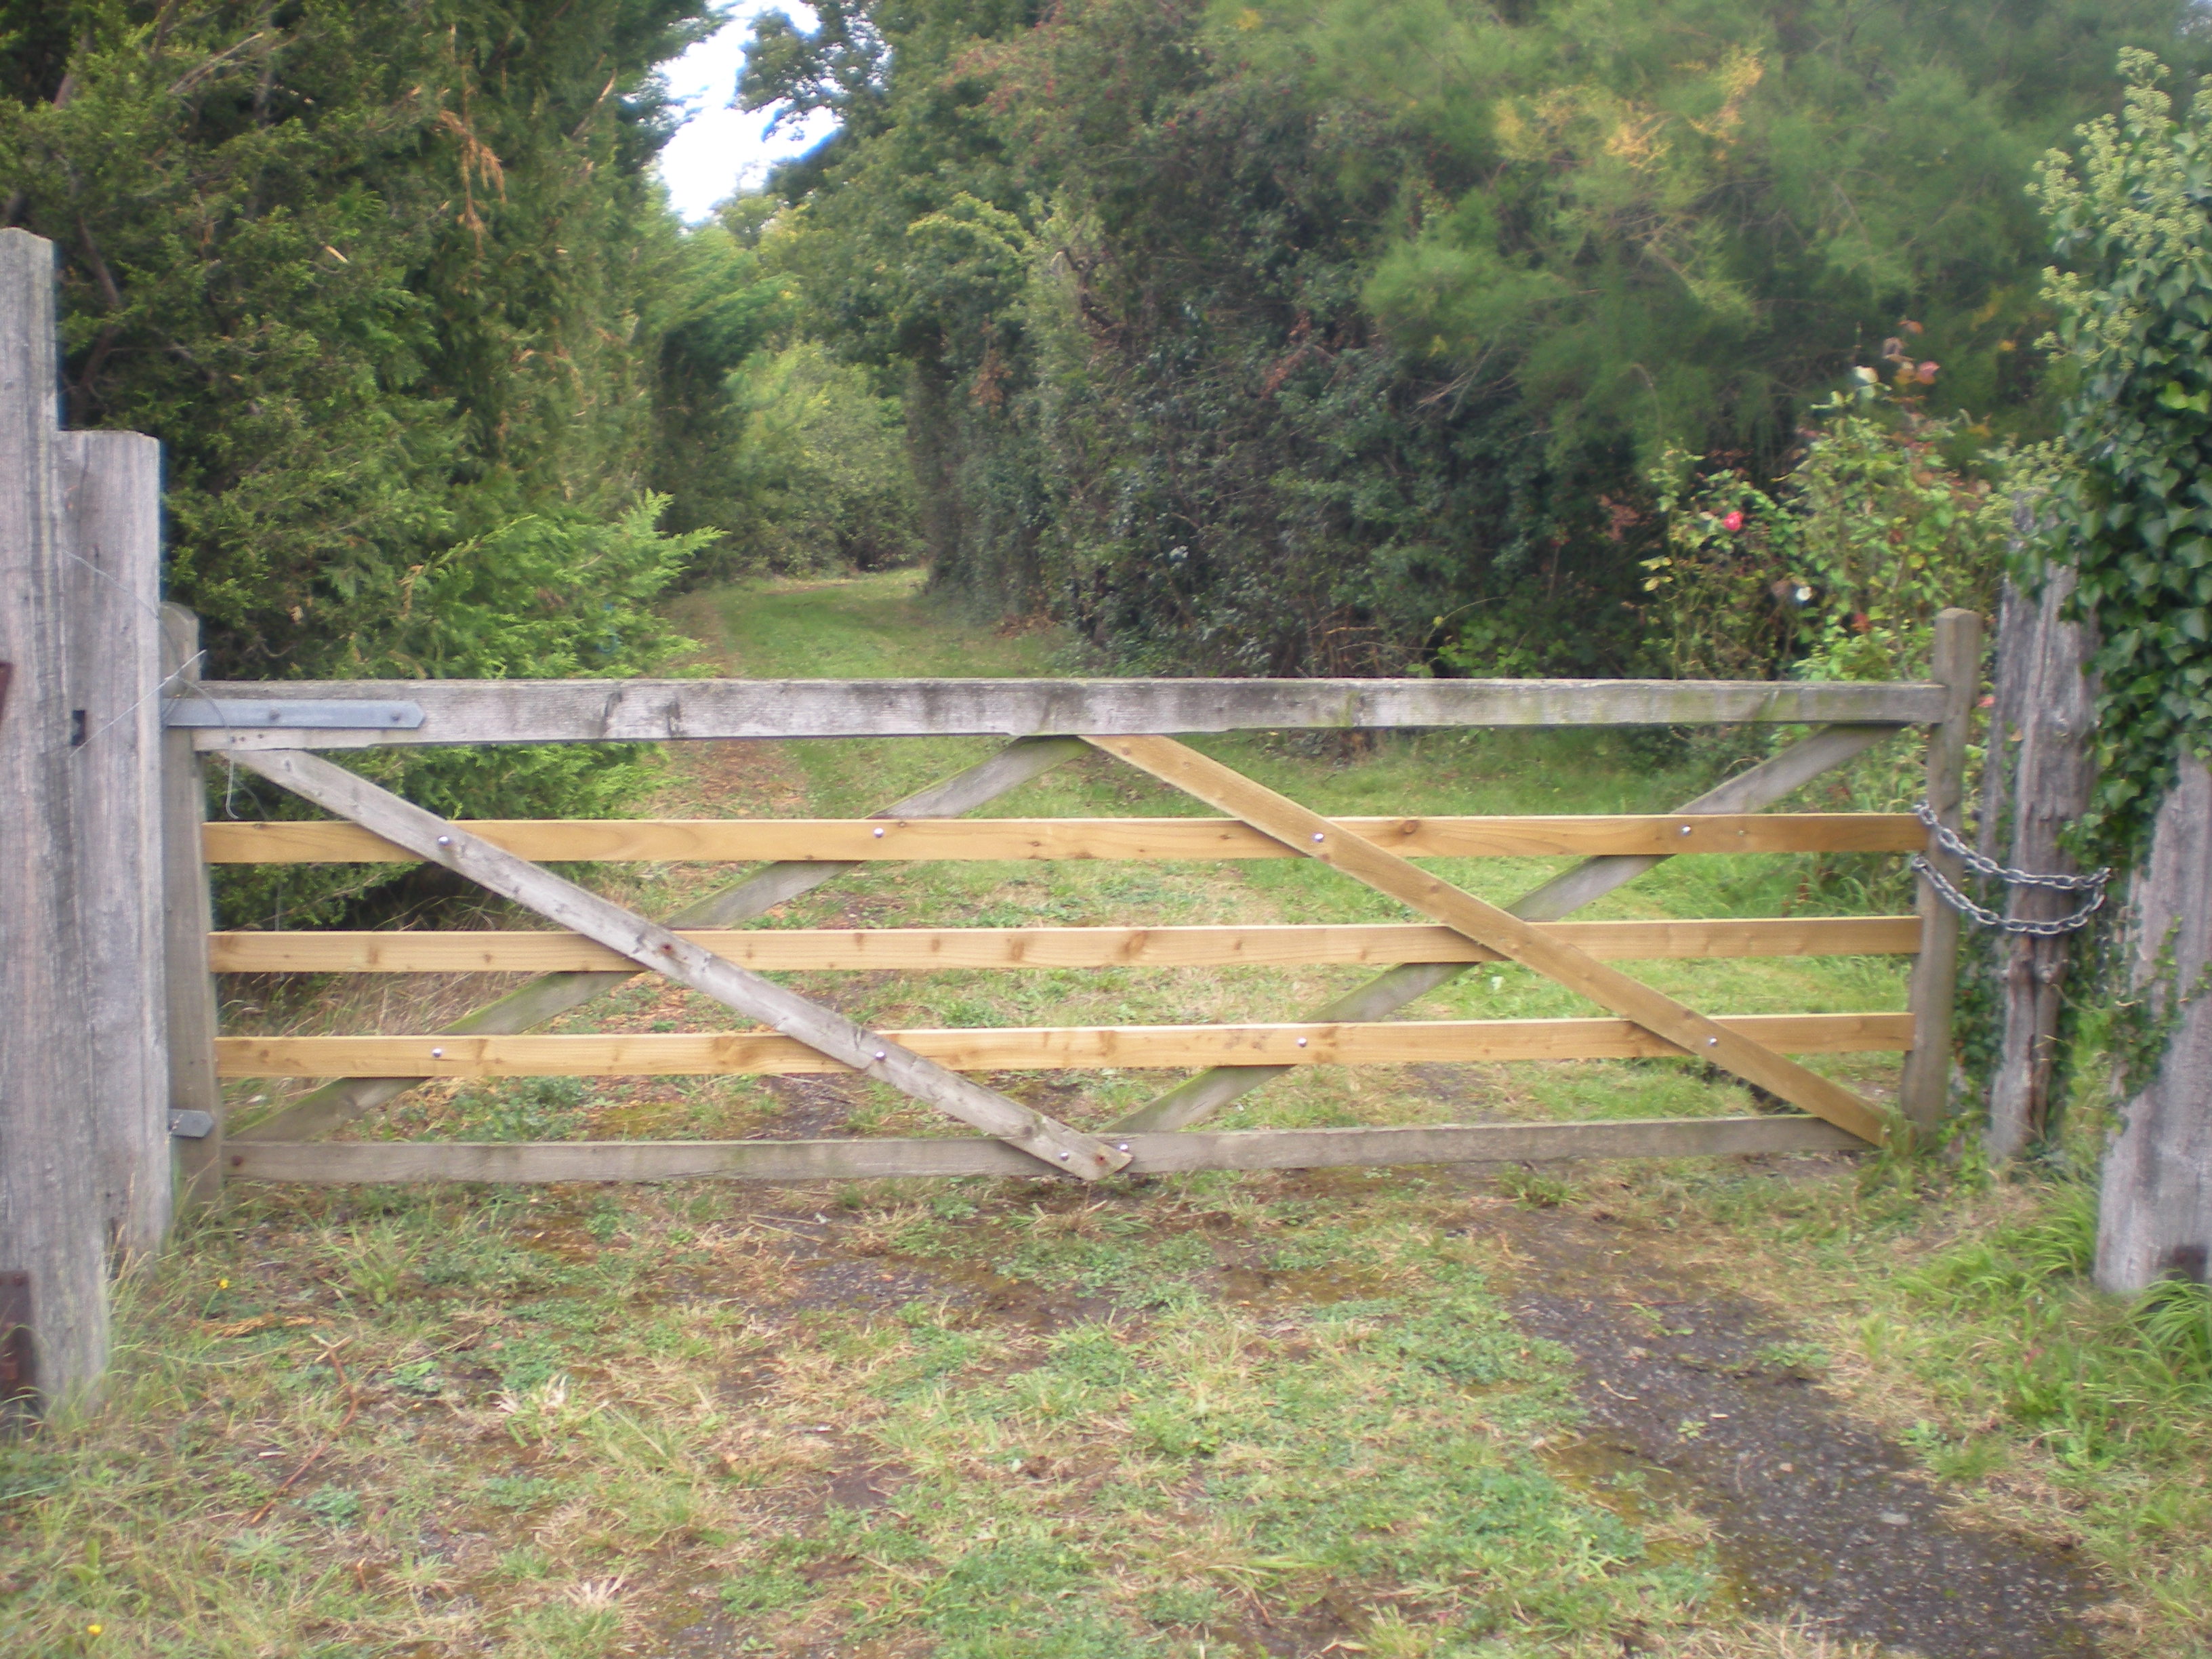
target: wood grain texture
<point>859,840</point>
<point>1773,779</point>
<point>110,488</point>
<point>651,946</point>
<point>188,987</point>
<point>332,1163</point>
<point>344,1099</point>
<point>656,1053</point>
<point>653,711</point>
<point>913,949</point>
<point>1923,1092</point>
<point>2154,1190</point>
<point>52,1224</point>
<point>1229,791</point>
<point>2039,773</point>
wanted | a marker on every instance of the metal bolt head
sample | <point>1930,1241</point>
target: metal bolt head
<point>1712,1043</point>
<point>445,841</point>
<point>1302,1042</point>
<point>437,1054</point>
<point>882,1053</point>
<point>1063,1157</point>
<point>879,835</point>
<point>1685,829</point>
<point>1121,1147</point>
<point>1318,837</point>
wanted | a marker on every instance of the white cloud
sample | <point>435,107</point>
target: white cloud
<point>719,150</point>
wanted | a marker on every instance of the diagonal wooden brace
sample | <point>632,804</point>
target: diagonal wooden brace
<point>1197,1098</point>
<point>550,995</point>
<point>651,945</point>
<point>1308,832</point>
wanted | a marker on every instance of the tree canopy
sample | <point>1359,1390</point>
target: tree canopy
<point>1318,337</point>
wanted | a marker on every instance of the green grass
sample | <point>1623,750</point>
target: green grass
<point>1213,1415</point>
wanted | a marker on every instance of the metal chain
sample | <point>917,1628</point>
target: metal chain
<point>1958,902</point>
<point>2093,884</point>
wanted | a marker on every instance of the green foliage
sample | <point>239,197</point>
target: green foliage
<point>817,470</point>
<point>726,308</point>
<point>393,286</point>
<point>374,281</point>
<point>1300,339</point>
<point>2135,309</point>
<point>1672,220</point>
<point>1838,572</point>
<point>2075,1368</point>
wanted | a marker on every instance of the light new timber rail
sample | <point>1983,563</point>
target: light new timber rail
<point>921,950</point>
<point>865,840</point>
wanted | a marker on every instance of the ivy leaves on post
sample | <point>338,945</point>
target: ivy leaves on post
<point>2130,218</point>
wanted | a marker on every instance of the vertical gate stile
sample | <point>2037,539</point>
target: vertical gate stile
<point>1924,1090</point>
<point>187,916</point>
<point>110,488</point>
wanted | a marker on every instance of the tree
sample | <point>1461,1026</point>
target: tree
<point>386,283</point>
<point>1342,339</point>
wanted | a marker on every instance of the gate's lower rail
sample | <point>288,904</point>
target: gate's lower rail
<point>1179,1152</point>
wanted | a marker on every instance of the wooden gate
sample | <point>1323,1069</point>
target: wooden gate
<point>276,730</point>
<point>112,1064</point>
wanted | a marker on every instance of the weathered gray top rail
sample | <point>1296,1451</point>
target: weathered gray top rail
<point>241,716</point>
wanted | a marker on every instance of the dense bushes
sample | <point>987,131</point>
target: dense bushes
<point>1276,340</point>
<point>443,387</point>
<point>2135,318</point>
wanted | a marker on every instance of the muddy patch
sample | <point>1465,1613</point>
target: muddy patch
<point>1703,1399</point>
<point>814,1108</point>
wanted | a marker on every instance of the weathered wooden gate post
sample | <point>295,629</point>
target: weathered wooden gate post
<point>84,1145</point>
<point>2037,782</point>
<point>2154,1212</point>
<point>111,494</point>
<point>53,1243</point>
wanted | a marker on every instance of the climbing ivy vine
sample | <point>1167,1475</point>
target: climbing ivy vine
<point>2132,218</point>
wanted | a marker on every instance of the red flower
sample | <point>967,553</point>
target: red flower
<point>1734,521</point>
